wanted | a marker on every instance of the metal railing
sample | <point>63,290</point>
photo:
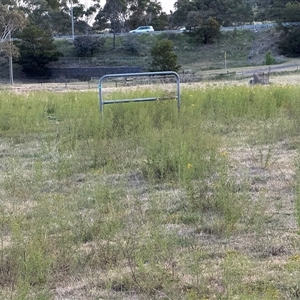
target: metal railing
<point>103,102</point>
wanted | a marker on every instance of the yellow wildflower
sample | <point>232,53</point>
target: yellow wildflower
<point>224,153</point>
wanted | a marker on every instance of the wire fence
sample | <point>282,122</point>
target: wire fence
<point>250,75</point>
<point>98,61</point>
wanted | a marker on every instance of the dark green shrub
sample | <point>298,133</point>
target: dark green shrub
<point>290,44</point>
<point>87,45</point>
<point>269,59</point>
<point>163,57</point>
<point>37,49</point>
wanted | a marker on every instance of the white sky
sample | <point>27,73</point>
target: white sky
<point>167,5</point>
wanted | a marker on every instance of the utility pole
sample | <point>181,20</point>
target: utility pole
<point>114,25</point>
<point>11,72</point>
<point>72,19</point>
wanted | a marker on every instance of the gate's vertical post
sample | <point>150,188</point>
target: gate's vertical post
<point>178,91</point>
<point>100,96</point>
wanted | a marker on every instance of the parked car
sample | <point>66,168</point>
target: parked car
<point>142,29</point>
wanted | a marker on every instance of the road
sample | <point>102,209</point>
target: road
<point>274,68</point>
<point>291,66</point>
<point>254,27</point>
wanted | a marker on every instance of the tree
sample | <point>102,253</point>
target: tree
<point>290,44</point>
<point>11,20</point>
<point>113,15</point>
<point>37,49</point>
<point>56,14</point>
<point>142,12</point>
<point>88,44</point>
<point>182,9</point>
<point>225,12</point>
<point>289,24</point>
<point>163,57</point>
<point>123,15</point>
<point>235,12</point>
<point>203,30</point>
<point>161,22</point>
<point>272,10</point>
<point>46,14</point>
<point>291,12</point>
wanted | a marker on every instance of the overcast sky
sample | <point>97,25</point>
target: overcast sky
<point>167,5</point>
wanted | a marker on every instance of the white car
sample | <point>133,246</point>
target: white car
<point>142,29</point>
<point>183,29</point>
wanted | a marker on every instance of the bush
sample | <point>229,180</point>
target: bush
<point>87,44</point>
<point>163,57</point>
<point>269,59</point>
<point>290,44</point>
<point>131,44</point>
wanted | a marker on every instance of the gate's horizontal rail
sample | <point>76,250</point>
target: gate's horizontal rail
<point>138,100</point>
<point>130,75</point>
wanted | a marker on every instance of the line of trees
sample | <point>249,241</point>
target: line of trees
<point>124,15</point>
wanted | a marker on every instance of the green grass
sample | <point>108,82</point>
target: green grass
<point>146,202</point>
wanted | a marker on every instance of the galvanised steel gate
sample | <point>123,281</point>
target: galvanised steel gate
<point>146,74</point>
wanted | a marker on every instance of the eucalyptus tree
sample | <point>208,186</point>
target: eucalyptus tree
<point>182,9</point>
<point>272,10</point>
<point>114,14</point>
<point>57,15</point>
<point>11,20</point>
<point>224,12</point>
<point>123,15</point>
<point>142,12</point>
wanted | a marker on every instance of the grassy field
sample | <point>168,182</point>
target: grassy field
<point>144,202</point>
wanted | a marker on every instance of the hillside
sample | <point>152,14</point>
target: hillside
<point>263,42</point>
<point>242,47</point>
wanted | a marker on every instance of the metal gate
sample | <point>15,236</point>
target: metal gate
<point>130,75</point>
